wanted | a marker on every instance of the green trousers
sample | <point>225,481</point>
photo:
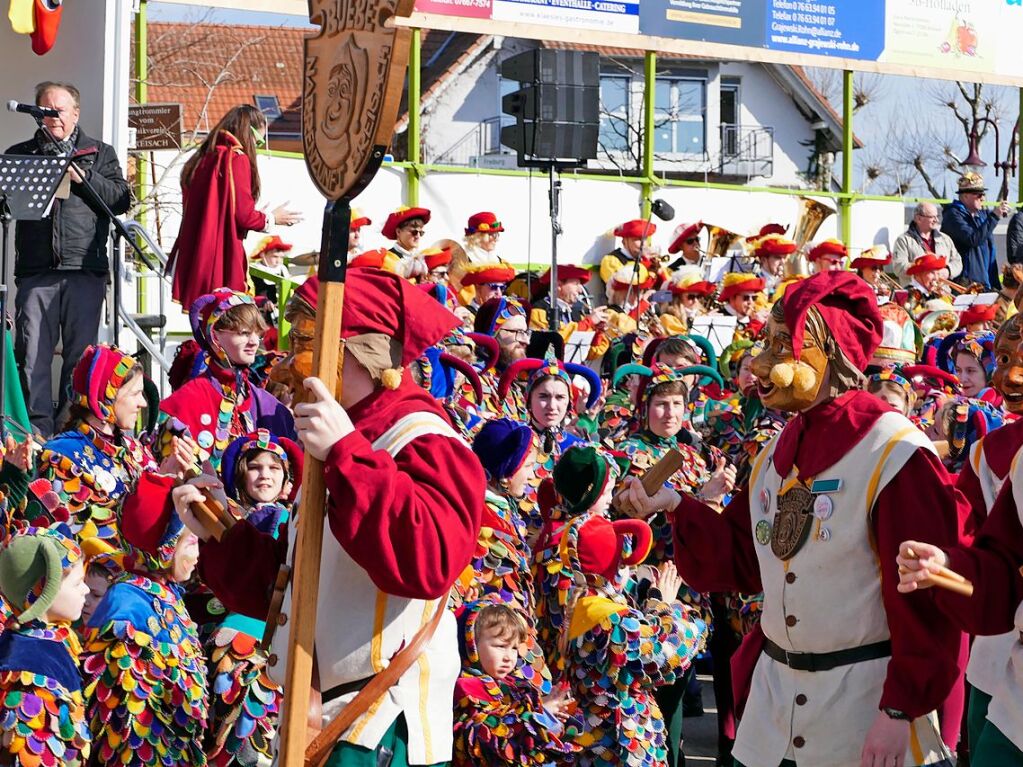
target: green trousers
<point>392,751</point>
<point>988,746</point>
<point>976,716</point>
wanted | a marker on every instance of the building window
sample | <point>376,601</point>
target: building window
<point>615,135</point>
<point>268,105</point>
<point>679,109</point>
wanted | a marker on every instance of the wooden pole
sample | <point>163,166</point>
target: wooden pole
<point>305,585</point>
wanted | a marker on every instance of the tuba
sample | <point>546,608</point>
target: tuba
<point>813,214</point>
<point>719,240</point>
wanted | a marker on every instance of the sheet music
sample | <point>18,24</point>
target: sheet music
<point>716,328</point>
<point>578,346</point>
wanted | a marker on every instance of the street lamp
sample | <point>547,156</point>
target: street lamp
<point>974,161</point>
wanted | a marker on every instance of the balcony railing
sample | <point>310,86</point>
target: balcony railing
<point>481,141</point>
<point>746,152</point>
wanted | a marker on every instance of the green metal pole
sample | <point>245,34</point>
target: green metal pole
<point>414,97</point>
<point>649,91</point>
<point>141,95</point>
<point>1019,138</point>
<point>845,204</point>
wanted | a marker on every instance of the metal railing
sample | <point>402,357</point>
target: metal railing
<point>746,151</point>
<point>153,259</point>
<point>482,139</point>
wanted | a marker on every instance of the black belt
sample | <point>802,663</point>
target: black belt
<point>825,661</point>
<point>343,689</point>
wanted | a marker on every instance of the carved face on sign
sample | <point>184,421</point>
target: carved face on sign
<point>1008,376</point>
<point>782,382</point>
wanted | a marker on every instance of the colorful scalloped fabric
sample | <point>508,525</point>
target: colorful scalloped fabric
<point>42,723</point>
<point>82,478</point>
<point>146,684</point>
<point>613,669</point>
<point>497,723</point>
<point>529,507</point>
<point>616,418</point>
<point>244,703</point>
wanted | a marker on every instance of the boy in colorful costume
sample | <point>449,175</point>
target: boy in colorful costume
<point>84,473</point>
<point>42,713</point>
<point>151,709</point>
<point>851,671</point>
<point>404,505</point>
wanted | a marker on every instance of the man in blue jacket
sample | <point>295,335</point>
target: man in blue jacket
<point>972,230</point>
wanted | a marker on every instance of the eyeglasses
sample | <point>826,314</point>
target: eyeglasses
<point>749,297</point>
<point>415,232</point>
<point>439,272</point>
<point>520,335</point>
<point>497,286</point>
<point>495,235</point>
<point>931,218</point>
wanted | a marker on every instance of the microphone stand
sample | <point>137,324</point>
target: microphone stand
<point>120,232</point>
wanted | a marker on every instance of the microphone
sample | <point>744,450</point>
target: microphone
<point>31,109</point>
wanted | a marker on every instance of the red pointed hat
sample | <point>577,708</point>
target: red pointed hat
<point>848,306</point>
<point>602,548</point>
<point>567,272</point>
<point>833,250</point>
<point>489,273</point>
<point>928,262</point>
<point>484,221</point>
<point>435,257</point>
<point>638,227</point>
<point>978,313</point>
<point>682,233</point>
<point>399,217</point>
<point>382,302</point>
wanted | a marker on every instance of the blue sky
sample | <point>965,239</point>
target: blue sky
<point>161,11</point>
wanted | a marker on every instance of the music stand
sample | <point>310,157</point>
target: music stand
<point>27,186</point>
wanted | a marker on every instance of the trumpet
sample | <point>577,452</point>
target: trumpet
<point>813,214</point>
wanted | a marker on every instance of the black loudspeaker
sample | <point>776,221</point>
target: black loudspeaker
<point>557,109</point>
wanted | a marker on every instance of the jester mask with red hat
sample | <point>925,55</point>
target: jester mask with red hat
<point>387,323</point>
<point>823,332</point>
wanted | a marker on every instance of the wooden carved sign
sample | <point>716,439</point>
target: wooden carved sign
<point>353,80</point>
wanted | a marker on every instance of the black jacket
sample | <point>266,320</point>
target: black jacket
<point>74,235</point>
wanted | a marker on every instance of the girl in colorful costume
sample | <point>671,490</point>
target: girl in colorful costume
<point>971,356</point>
<point>42,713</point>
<point>499,719</point>
<point>617,653</point>
<point>261,474</point>
<point>85,472</point>
<point>223,403</point>
<point>143,665</point>
<point>549,405</point>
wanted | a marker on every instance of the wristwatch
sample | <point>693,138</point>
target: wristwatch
<point>899,716</point>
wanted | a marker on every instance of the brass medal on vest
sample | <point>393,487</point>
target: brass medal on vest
<point>792,523</point>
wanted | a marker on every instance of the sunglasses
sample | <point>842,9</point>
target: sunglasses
<point>416,232</point>
<point>691,240</point>
<point>498,286</point>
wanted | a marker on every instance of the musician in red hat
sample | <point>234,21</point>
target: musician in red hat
<point>925,271</point>
<point>482,233</point>
<point>828,255</point>
<point>850,671</point>
<point>405,496</point>
<point>685,241</point>
<point>406,226</point>
<point>634,235</point>
<point>770,246</point>
<point>355,230</point>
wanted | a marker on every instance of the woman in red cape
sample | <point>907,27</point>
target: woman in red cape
<point>220,186</point>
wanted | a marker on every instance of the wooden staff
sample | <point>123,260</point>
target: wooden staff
<point>945,578</point>
<point>655,477</point>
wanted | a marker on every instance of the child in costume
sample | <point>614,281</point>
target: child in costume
<point>549,399</point>
<point>971,357</point>
<point>42,713</point>
<point>499,719</point>
<point>223,402</point>
<point>143,665</point>
<point>103,564</point>
<point>262,473</point>
<point>617,653</point>
<point>892,387</point>
<point>85,472</point>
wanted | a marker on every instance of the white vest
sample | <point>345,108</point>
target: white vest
<point>360,628</point>
<point>988,655</point>
<point>1006,709</point>
<point>827,598</point>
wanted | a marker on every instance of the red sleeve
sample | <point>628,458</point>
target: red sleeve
<point>973,509</point>
<point>242,566</point>
<point>991,564</point>
<point>715,552</point>
<point>246,217</point>
<point>920,503</point>
<point>411,521</point>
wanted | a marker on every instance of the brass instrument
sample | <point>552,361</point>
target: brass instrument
<point>813,214</point>
<point>720,240</point>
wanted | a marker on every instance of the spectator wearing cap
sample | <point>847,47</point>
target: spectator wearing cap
<point>685,241</point>
<point>482,233</point>
<point>634,235</point>
<point>355,230</point>
<point>828,256</point>
<point>972,230</point>
<point>406,227</point>
<point>269,254</point>
<point>924,236</point>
